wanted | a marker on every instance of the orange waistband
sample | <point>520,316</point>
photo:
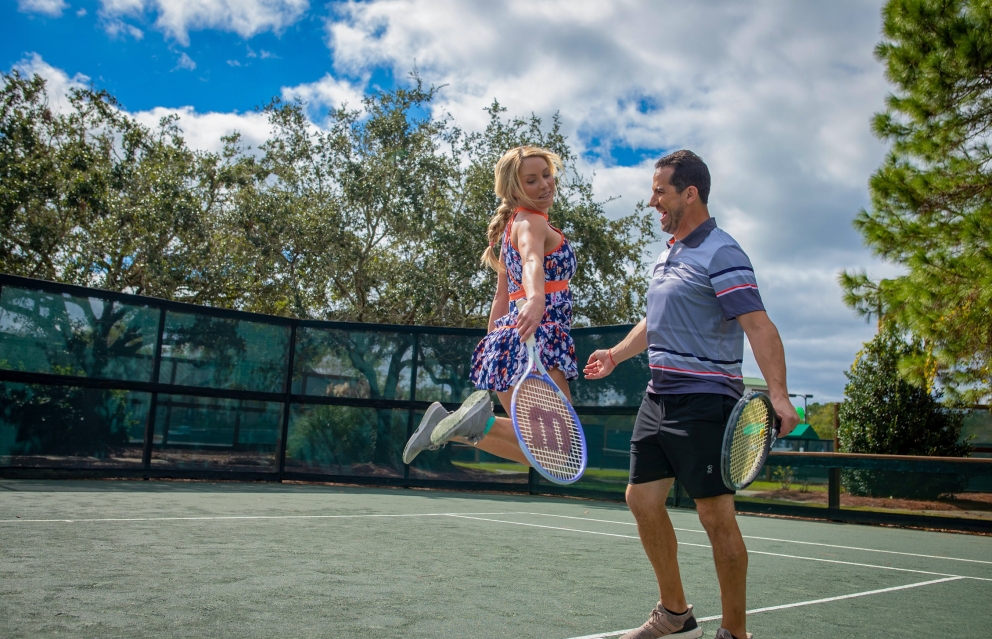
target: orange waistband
<point>551,286</point>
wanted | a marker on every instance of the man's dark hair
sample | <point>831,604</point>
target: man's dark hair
<point>689,170</point>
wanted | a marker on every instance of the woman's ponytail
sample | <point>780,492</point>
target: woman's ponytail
<point>497,225</point>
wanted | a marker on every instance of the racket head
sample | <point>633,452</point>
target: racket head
<point>747,440</point>
<point>548,430</point>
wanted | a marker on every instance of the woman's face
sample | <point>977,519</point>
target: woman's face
<point>538,182</point>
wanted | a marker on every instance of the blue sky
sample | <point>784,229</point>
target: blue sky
<point>775,95</point>
<point>232,72</point>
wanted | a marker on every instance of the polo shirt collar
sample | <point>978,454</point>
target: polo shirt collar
<point>694,239</point>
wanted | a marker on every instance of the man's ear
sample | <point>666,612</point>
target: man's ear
<point>691,194</point>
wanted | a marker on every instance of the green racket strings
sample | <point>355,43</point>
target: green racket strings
<point>750,434</point>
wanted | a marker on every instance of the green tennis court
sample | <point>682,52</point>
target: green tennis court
<point>147,559</point>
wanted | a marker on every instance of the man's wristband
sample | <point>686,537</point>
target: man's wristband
<point>609,353</point>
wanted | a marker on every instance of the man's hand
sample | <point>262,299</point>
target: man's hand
<point>786,412</point>
<point>600,365</point>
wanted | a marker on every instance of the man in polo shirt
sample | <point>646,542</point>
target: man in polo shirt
<point>703,298</point>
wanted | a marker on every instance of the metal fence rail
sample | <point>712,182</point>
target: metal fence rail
<point>102,384</point>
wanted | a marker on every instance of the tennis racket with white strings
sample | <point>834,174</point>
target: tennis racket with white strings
<point>751,431</point>
<point>546,425</point>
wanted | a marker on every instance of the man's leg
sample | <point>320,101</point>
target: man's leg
<point>717,516</point>
<point>647,503</point>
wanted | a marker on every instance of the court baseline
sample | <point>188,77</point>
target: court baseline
<point>603,635</point>
<point>752,552</point>
<point>785,541</point>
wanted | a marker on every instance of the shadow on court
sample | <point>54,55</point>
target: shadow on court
<point>164,559</point>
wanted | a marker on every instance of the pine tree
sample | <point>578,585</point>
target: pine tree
<point>931,200</point>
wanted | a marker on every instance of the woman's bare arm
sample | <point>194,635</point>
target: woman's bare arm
<point>531,231</point>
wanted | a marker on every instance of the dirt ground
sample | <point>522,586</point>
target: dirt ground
<point>961,502</point>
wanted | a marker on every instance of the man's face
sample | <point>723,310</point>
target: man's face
<point>666,200</point>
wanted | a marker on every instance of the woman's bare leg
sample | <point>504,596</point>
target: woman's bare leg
<point>501,440</point>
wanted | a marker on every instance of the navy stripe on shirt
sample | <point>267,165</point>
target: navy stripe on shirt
<point>730,270</point>
<point>702,359</point>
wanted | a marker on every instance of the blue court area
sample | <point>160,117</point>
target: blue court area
<point>158,559</point>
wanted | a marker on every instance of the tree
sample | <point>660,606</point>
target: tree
<point>931,200</point>
<point>884,414</point>
<point>88,196</point>
<point>821,418</point>
<point>377,215</point>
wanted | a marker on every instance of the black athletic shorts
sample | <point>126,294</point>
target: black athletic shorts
<point>680,436</point>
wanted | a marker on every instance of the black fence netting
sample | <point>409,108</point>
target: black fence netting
<point>102,384</point>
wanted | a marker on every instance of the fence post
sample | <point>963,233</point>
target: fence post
<point>833,488</point>
<point>413,398</point>
<point>287,401</point>
<point>146,449</point>
<point>836,427</point>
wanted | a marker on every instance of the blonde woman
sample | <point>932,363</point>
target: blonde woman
<point>534,262</point>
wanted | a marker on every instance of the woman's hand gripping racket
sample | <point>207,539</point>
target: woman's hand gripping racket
<point>751,431</point>
<point>546,425</point>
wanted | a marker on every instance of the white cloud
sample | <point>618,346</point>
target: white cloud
<point>776,96</point>
<point>176,18</point>
<point>328,92</point>
<point>58,84</point>
<point>203,131</point>
<point>185,62</point>
<point>52,8</point>
<point>119,29</point>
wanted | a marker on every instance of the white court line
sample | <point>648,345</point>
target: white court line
<point>812,602</point>
<point>751,552</point>
<point>240,517</point>
<point>786,541</point>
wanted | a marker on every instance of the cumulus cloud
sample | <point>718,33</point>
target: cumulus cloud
<point>203,131</point>
<point>775,96</point>
<point>52,8</point>
<point>185,62</point>
<point>176,18</point>
<point>57,82</point>
<point>116,28</point>
<point>328,92</point>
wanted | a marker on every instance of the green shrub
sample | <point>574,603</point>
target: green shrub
<point>885,414</point>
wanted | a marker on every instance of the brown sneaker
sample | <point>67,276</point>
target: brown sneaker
<point>723,633</point>
<point>662,623</point>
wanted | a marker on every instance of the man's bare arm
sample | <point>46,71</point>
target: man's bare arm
<point>602,362</point>
<point>766,344</point>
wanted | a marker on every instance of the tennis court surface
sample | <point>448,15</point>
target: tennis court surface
<point>196,559</point>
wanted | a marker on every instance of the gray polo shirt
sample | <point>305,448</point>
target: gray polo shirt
<point>699,286</point>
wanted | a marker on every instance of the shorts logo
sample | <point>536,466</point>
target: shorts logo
<point>709,470</point>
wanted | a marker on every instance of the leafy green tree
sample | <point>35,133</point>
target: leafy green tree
<point>377,215</point>
<point>821,418</point>
<point>884,414</point>
<point>931,200</point>
<point>51,180</point>
<point>89,196</point>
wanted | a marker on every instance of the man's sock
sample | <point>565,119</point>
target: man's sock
<point>677,614</point>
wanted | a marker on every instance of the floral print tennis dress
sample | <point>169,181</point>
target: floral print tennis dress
<point>501,356</point>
